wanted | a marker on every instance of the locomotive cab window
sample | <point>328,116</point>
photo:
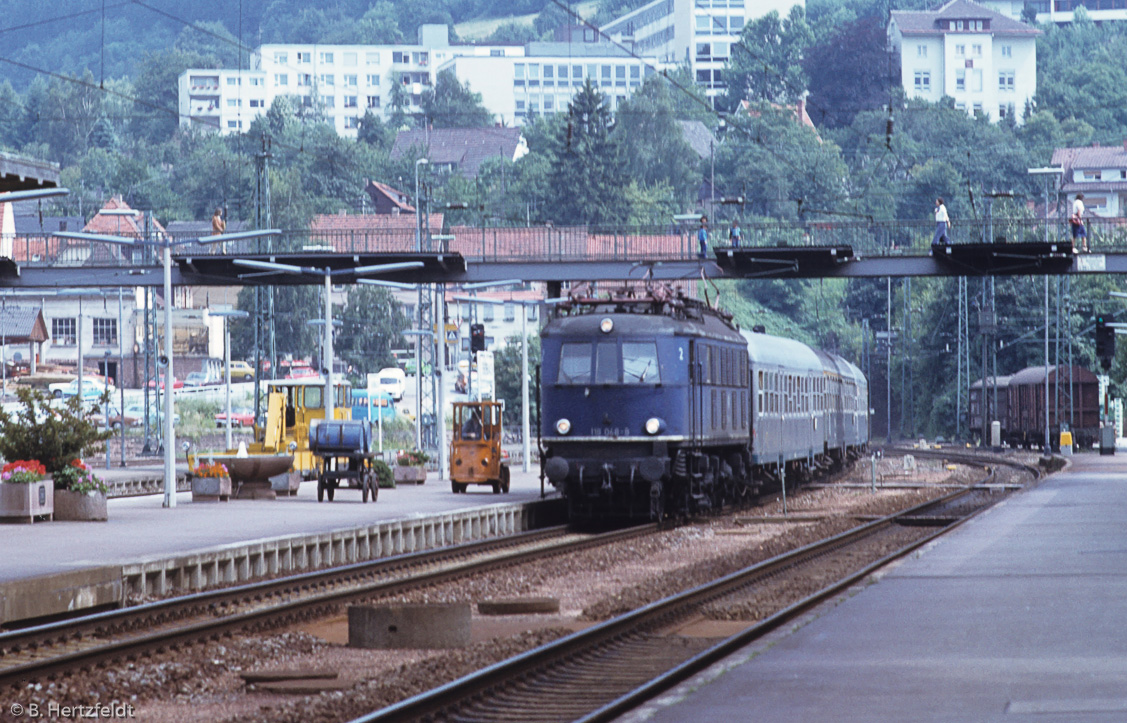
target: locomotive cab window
<point>639,363</point>
<point>575,364</point>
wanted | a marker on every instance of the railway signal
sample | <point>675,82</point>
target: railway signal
<point>477,337</point>
<point>1105,341</point>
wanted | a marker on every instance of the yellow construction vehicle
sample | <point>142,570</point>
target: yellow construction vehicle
<point>476,456</point>
<point>293,406</point>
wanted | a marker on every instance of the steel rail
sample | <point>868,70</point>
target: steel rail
<point>26,654</point>
<point>533,667</point>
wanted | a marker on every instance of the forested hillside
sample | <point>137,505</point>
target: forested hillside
<point>108,116</point>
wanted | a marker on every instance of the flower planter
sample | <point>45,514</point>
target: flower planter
<point>211,489</point>
<point>410,475</point>
<point>80,506</point>
<point>24,502</point>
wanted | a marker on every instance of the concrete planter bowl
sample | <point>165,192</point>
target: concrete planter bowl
<point>211,489</point>
<point>80,506</point>
<point>410,475</point>
<point>25,502</point>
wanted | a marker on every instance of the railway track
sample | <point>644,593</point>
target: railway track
<point>92,640</point>
<point>606,670</point>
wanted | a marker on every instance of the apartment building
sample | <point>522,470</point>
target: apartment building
<point>341,81</point>
<point>984,60</point>
<point>1060,11</point>
<point>698,32</point>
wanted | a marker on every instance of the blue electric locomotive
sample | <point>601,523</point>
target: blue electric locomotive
<point>654,404</point>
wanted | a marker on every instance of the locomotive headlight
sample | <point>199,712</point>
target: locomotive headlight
<point>606,325</point>
<point>563,426</point>
<point>654,425</point>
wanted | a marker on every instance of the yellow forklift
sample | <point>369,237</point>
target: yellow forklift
<point>476,456</point>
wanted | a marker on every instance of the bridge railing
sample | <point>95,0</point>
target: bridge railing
<point>581,243</point>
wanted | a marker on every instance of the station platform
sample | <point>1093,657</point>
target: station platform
<point>145,549</point>
<point>1020,614</point>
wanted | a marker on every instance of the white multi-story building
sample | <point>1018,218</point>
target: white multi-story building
<point>697,32</point>
<point>1061,11</point>
<point>543,81</point>
<point>343,81</point>
<point>984,60</point>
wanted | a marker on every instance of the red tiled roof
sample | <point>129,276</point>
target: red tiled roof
<point>132,226</point>
<point>368,232</point>
<point>392,194</point>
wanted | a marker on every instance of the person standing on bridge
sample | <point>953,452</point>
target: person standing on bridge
<point>702,237</point>
<point>734,234</point>
<point>941,221</point>
<point>1076,221</point>
<point>218,225</point>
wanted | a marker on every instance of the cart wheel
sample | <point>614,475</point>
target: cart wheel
<point>321,489</point>
<point>364,485</point>
<point>374,484</point>
<point>331,487</point>
<point>496,488</point>
<point>505,480</point>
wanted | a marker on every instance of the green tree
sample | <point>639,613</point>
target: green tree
<point>157,90</point>
<point>766,62</point>
<point>453,105</point>
<point>375,132</point>
<point>507,379</point>
<point>653,143</point>
<point>848,72</point>
<point>588,177</point>
<point>513,33</point>
<point>373,325</point>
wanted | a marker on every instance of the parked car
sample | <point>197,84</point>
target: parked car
<point>176,383</point>
<point>117,418</point>
<point>241,371</point>
<point>134,414</point>
<point>240,417</point>
<point>92,388</point>
<point>198,379</point>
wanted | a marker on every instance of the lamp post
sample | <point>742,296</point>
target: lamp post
<point>1047,174</point>
<point>169,406</point>
<point>226,315</point>
<point>329,274</point>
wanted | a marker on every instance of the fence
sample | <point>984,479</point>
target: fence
<point>582,243</point>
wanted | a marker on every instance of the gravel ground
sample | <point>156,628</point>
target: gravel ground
<point>202,682</point>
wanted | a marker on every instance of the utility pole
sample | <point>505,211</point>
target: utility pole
<point>262,221</point>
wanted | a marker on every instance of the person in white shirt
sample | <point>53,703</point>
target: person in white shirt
<point>1076,221</point>
<point>941,221</point>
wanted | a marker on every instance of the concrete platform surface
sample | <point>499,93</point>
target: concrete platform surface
<point>139,528</point>
<point>1018,615</point>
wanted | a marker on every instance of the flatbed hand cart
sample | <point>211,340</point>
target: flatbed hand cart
<point>345,452</point>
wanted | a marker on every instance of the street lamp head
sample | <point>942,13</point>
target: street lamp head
<point>421,162</point>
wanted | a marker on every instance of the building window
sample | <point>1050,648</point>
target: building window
<point>105,332</point>
<point>63,332</point>
<point>327,58</point>
<point>372,79</point>
<point>487,313</point>
<point>398,56</point>
<point>496,53</point>
<point>960,50</point>
<point>1093,175</point>
<point>350,81</point>
<point>257,103</point>
<point>373,101</point>
<point>281,79</point>
<point>329,101</point>
<point>604,75</point>
<point>372,58</point>
<point>533,75</point>
<point>304,79</point>
<point>977,50</point>
<point>921,51</point>
<point>328,79</point>
<point>922,81</point>
<point>1006,110</point>
<point>305,57</point>
<point>281,58</point>
<point>351,122</point>
<point>1006,80</point>
<point>349,101</point>
<point>1007,51</point>
<point>510,312</point>
<point>233,102</point>
<point>255,81</point>
<point>960,80</point>
<point>620,76</point>
<point>704,51</point>
<point>549,103</point>
<point>977,109</point>
<point>232,124</point>
<point>232,81</point>
<point>561,73</point>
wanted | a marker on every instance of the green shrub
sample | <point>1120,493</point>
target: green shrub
<point>51,433</point>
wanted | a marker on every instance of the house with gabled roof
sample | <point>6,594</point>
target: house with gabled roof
<point>985,61</point>
<point>1100,173</point>
<point>387,200</point>
<point>460,150</point>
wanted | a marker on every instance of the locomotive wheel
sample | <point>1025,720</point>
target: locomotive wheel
<point>321,489</point>
<point>505,480</point>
